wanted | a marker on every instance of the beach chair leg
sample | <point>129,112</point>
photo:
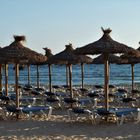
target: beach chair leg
<point>30,115</point>
<point>50,112</point>
<point>92,117</point>
<point>121,121</point>
<point>60,106</point>
<point>43,113</point>
<point>69,115</point>
<point>34,102</point>
<point>138,117</point>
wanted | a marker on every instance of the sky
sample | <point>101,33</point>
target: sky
<point>55,23</point>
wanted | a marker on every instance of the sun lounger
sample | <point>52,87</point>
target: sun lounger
<point>98,86</point>
<point>39,89</point>
<point>35,110</point>
<point>124,112</point>
<point>62,94</point>
<point>83,91</point>
<point>84,101</point>
<point>69,102</point>
<point>135,91</point>
<point>87,102</point>
<point>120,113</point>
<point>75,113</point>
<point>47,93</point>
<point>53,101</point>
<point>25,100</point>
<point>29,111</point>
<point>112,86</point>
<point>126,100</point>
<point>129,101</point>
<point>11,110</point>
<point>122,90</point>
<point>36,93</point>
<point>27,87</point>
<point>4,99</point>
<point>56,86</point>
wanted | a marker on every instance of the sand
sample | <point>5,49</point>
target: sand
<point>58,127</point>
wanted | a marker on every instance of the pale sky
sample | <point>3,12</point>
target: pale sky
<point>55,23</point>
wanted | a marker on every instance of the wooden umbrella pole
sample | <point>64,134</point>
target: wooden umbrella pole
<point>28,74</point>
<point>82,74</point>
<point>132,70</point>
<point>0,77</point>
<point>50,79</point>
<point>106,86</point>
<point>37,76</point>
<point>16,84</point>
<point>6,79</point>
<point>70,80</point>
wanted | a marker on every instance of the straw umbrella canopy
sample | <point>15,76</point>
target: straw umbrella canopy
<point>65,57</point>
<point>17,54</point>
<point>105,45</point>
<point>132,60</point>
<point>48,53</point>
<point>38,59</point>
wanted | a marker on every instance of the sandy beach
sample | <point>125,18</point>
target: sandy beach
<point>59,128</point>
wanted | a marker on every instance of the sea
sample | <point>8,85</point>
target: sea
<point>93,74</point>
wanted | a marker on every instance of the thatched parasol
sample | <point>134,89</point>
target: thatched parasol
<point>1,74</point>
<point>105,45</point>
<point>84,59</point>
<point>132,60</point>
<point>111,59</point>
<point>49,54</point>
<point>68,58</point>
<point>65,57</point>
<point>18,54</point>
<point>0,77</point>
<point>39,59</point>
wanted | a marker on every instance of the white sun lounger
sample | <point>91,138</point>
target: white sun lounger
<point>35,110</point>
<point>76,113</point>
<point>120,113</point>
<point>29,111</point>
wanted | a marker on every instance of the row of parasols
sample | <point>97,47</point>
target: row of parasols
<point>17,54</point>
